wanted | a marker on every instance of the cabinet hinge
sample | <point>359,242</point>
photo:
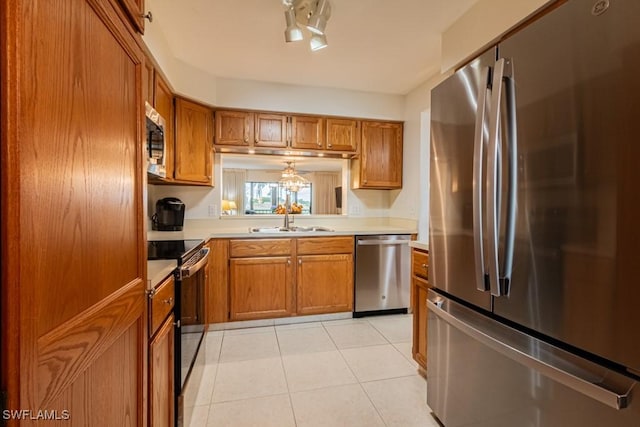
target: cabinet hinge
<point>151,293</point>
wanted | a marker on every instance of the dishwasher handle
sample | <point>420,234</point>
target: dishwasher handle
<point>382,242</point>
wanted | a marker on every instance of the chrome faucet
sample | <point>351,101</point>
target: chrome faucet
<point>287,209</point>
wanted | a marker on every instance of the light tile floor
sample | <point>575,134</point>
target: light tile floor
<point>352,372</point>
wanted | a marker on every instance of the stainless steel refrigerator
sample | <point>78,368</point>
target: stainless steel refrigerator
<point>534,315</point>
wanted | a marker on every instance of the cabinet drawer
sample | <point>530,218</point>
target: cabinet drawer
<point>259,247</point>
<point>325,245</point>
<point>420,263</point>
<point>161,304</point>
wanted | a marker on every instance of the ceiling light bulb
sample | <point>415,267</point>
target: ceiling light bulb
<point>319,17</point>
<point>292,33</point>
<point>318,41</point>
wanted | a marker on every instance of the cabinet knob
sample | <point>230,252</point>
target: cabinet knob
<point>168,301</point>
<point>424,266</point>
<point>148,16</point>
<point>329,145</point>
<point>246,139</point>
<point>299,262</point>
<point>289,262</point>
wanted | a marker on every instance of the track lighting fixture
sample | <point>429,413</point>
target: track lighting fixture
<point>312,15</point>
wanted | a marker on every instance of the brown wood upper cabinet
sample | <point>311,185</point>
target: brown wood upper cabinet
<point>271,130</point>
<point>234,128</point>
<point>148,81</point>
<point>194,143</point>
<point>342,134</point>
<point>280,131</point>
<point>380,162</point>
<point>163,103</point>
<point>307,132</point>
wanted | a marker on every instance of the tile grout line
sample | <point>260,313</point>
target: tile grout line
<point>286,380</point>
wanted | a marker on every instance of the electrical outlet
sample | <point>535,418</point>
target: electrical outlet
<point>213,210</point>
<point>355,209</point>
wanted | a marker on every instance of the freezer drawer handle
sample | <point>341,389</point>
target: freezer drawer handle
<point>545,367</point>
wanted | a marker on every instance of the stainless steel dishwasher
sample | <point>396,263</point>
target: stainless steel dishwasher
<point>382,274</point>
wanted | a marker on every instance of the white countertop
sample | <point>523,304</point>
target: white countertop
<point>158,270</point>
<point>419,244</point>
<point>240,229</point>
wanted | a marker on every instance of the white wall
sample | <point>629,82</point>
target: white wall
<point>481,26</point>
<point>412,201</point>
<point>306,99</point>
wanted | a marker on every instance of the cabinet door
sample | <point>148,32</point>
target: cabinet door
<point>74,273</point>
<point>325,283</point>
<point>261,288</point>
<point>194,142</point>
<point>271,130</point>
<point>420,288</point>
<point>163,103</point>
<point>161,376</point>
<point>307,132</point>
<point>234,128</point>
<point>342,135</point>
<point>381,155</point>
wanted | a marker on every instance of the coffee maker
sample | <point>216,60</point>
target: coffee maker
<point>169,215</point>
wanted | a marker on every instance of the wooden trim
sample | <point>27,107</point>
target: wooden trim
<point>218,284</point>
<point>66,352</point>
<point>13,359</point>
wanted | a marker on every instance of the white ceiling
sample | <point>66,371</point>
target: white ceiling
<point>386,46</point>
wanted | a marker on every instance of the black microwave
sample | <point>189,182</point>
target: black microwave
<point>155,143</point>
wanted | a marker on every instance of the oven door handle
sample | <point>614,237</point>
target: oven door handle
<point>190,269</point>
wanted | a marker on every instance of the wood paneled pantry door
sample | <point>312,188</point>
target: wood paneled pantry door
<point>73,245</point>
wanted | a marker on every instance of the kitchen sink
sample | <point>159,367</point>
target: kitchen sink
<point>289,230</point>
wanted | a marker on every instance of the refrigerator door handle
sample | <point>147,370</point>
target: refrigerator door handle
<point>499,278</point>
<point>599,383</point>
<point>478,151</point>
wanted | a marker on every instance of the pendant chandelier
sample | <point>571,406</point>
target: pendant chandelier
<point>290,180</point>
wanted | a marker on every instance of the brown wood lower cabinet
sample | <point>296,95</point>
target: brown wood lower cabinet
<point>161,354</point>
<point>270,278</point>
<point>325,283</point>
<point>161,376</point>
<point>420,287</point>
<point>261,287</point>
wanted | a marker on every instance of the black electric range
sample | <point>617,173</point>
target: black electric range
<point>180,250</point>
<point>192,258</point>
